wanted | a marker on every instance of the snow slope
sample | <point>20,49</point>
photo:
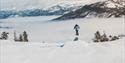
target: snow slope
<point>72,52</point>
<point>40,29</point>
<point>52,41</point>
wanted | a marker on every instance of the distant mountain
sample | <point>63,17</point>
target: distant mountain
<point>7,13</point>
<point>63,8</point>
<point>58,9</point>
<point>106,9</point>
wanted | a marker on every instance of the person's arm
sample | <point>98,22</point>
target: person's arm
<point>74,27</point>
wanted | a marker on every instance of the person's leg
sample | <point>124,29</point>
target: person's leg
<point>77,33</point>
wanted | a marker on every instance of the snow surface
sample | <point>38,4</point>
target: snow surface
<point>52,42</point>
<point>111,4</point>
<point>72,52</point>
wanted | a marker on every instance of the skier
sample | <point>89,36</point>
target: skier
<point>76,27</point>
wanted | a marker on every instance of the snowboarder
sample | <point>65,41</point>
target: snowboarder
<point>25,36</point>
<point>76,27</point>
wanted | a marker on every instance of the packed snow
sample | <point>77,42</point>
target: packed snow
<point>52,41</point>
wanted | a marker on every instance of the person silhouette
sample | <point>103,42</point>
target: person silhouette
<point>76,28</point>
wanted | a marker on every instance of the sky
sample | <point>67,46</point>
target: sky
<point>20,4</point>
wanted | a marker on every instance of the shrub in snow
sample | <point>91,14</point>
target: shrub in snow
<point>104,37</point>
<point>114,38</point>
<point>122,35</point>
<point>4,35</point>
<point>22,37</point>
<point>97,37</point>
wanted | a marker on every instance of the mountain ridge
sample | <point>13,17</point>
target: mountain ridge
<point>58,9</point>
<point>102,9</point>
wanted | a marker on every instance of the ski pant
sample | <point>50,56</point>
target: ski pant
<point>77,32</point>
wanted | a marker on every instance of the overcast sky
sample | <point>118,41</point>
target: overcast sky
<point>18,4</point>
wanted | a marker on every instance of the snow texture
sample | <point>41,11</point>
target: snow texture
<point>52,42</point>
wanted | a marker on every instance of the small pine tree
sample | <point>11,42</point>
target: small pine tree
<point>15,38</point>
<point>4,35</point>
<point>97,36</point>
<point>25,36</point>
<point>20,38</point>
<point>104,38</point>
